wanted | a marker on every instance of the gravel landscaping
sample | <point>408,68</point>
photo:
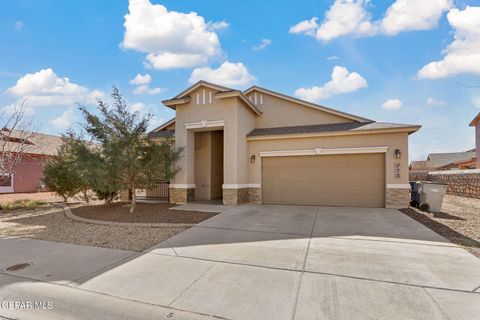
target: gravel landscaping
<point>144,213</point>
<point>459,221</point>
<point>52,224</point>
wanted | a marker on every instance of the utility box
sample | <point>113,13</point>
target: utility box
<point>431,195</point>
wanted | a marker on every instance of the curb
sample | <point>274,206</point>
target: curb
<point>69,214</point>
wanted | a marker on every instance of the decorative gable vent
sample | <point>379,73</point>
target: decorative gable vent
<point>204,97</point>
<point>256,98</point>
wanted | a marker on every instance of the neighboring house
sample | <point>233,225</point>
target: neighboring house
<point>28,175</point>
<point>469,159</point>
<point>261,146</point>
<point>476,123</point>
<point>445,161</point>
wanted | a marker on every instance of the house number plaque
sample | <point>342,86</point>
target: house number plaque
<point>396,170</point>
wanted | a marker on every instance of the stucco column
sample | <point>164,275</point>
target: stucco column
<point>397,193</point>
<point>183,184</point>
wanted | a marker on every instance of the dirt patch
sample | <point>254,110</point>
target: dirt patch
<point>459,221</point>
<point>144,213</point>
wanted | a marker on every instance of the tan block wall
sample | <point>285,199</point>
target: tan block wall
<point>397,198</point>
<point>255,195</point>
<point>232,197</point>
<point>180,195</point>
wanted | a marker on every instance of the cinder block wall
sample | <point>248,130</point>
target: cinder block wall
<point>464,183</point>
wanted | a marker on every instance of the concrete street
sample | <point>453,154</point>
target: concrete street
<point>255,262</point>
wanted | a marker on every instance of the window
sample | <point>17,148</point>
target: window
<point>6,180</point>
<point>6,183</point>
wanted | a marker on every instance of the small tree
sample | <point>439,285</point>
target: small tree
<point>61,175</point>
<point>16,131</point>
<point>97,173</point>
<point>133,160</point>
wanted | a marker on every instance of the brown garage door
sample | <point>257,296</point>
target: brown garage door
<point>330,180</point>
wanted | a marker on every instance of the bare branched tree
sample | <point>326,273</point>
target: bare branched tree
<point>16,133</point>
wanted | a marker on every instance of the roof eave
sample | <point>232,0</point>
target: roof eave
<point>475,120</point>
<point>173,102</point>
<point>164,125</point>
<point>409,130</point>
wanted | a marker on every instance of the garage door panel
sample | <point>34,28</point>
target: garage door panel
<point>336,180</point>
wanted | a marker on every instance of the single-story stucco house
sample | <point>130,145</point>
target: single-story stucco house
<point>262,146</point>
<point>36,148</point>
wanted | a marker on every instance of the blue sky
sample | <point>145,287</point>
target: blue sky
<point>402,61</point>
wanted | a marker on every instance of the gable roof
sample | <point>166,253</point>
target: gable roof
<point>351,127</point>
<point>164,125</point>
<point>307,104</point>
<point>36,143</point>
<point>441,159</point>
<point>475,120</point>
<point>224,92</point>
<point>199,84</point>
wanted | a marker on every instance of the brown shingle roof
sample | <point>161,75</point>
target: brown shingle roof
<point>349,126</point>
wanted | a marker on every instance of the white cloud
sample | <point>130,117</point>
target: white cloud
<point>350,17</point>
<point>171,39</point>
<point>142,82</point>
<point>219,25</point>
<point>15,107</point>
<point>228,74</point>
<point>263,44</point>
<point>141,79</point>
<point>145,89</point>
<point>392,104</point>
<point>307,27</point>
<point>137,106</point>
<point>342,81</point>
<point>432,102</point>
<point>476,101</point>
<point>167,60</point>
<point>19,25</point>
<point>65,120</point>
<point>405,15</point>
<point>463,54</point>
<point>345,17</point>
<point>45,88</point>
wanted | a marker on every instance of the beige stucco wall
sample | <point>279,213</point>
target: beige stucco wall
<point>238,119</point>
<point>392,140</point>
<point>216,177</point>
<point>278,112</point>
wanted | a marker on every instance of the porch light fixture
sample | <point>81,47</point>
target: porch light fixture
<point>252,159</point>
<point>398,154</point>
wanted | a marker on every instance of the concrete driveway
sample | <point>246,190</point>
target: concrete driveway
<point>295,262</point>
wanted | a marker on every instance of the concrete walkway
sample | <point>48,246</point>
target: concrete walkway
<point>270,262</point>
